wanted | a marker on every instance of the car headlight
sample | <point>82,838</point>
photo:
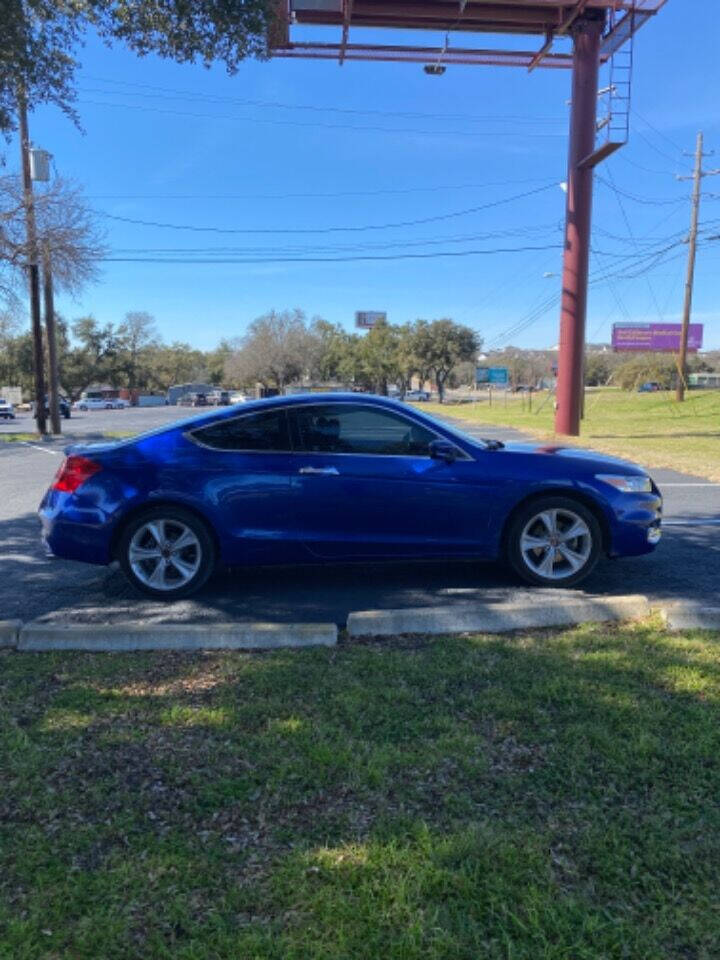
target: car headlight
<point>627,484</point>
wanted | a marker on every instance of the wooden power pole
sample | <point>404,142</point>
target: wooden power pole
<point>32,268</point>
<point>690,275</point>
<point>697,176</point>
<point>49,304</point>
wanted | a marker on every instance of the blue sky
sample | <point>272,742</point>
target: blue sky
<point>308,146</point>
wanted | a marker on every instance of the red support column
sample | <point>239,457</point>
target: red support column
<point>586,60</point>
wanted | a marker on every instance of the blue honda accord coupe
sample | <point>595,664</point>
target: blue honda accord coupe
<point>335,478</point>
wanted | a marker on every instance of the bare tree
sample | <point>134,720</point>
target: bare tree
<point>69,248</point>
<point>66,231</point>
<point>277,349</point>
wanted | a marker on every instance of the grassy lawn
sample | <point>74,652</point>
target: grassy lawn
<point>70,436</point>
<point>532,796</point>
<point>19,437</point>
<point>648,427</point>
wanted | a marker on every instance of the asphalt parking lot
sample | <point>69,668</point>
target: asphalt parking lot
<point>87,423</point>
<point>686,564</point>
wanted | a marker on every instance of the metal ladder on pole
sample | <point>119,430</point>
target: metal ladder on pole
<point>616,121</point>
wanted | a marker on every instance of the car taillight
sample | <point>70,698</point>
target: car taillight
<point>73,472</point>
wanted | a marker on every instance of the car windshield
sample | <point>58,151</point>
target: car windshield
<point>455,431</point>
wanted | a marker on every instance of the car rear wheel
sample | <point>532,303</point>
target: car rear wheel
<point>554,542</point>
<point>166,553</point>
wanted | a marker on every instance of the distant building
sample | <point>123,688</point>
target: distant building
<point>100,391</point>
<point>706,381</point>
<point>180,390</point>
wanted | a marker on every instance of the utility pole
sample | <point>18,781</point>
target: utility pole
<point>32,267</point>
<point>697,176</point>
<point>49,304</point>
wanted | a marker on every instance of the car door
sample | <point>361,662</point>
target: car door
<point>241,472</point>
<point>366,486</point>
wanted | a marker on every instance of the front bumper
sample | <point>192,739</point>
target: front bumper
<point>637,523</point>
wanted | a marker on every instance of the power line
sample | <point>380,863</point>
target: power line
<point>315,108</point>
<point>657,150</point>
<point>650,201</point>
<point>633,163</point>
<point>632,236</point>
<point>315,196</point>
<point>658,132</point>
<point>321,230</point>
<point>342,248</point>
<point>395,256</point>
<point>365,128</point>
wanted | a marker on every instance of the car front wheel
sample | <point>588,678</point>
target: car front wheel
<point>554,542</point>
<point>166,553</point>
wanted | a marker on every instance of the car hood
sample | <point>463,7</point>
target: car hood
<point>583,458</point>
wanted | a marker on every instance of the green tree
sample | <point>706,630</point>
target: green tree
<point>407,360</point>
<point>40,40</point>
<point>94,356</point>
<point>598,369</point>
<point>334,352</point>
<point>441,345</point>
<point>133,338</point>
<point>215,360</point>
<point>378,357</point>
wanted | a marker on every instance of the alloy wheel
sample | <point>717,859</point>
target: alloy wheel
<point>164,554</point>
<point>556,544</point>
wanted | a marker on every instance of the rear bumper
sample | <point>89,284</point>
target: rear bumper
<point>72,532</point>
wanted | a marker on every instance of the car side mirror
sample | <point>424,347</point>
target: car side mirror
<point>443,450</point>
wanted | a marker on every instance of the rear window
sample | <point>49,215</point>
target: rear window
<point>255,432</point>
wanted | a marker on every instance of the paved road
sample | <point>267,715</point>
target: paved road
<point>687,563</point>
<point>91,423</point>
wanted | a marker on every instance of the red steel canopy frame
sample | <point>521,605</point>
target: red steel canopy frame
<point>598,29</point>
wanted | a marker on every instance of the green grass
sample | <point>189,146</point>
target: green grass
<point>537,797</point>
<point>19,437</point>
<point>36,438</point>
<point>648,427</point>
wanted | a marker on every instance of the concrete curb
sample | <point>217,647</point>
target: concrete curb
<point>691,615</point>
<point>9,632</point>
<point>496,617</point>
<point>168,636</point>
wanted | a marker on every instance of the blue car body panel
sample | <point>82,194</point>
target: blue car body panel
<point>263,508</point>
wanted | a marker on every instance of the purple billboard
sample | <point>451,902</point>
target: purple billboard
<point>662,337</point>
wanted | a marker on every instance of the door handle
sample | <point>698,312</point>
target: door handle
<point>320,471</point>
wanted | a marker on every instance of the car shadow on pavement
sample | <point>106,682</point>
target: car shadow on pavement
<point>32,585</point>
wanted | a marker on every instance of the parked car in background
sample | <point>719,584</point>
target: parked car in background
<point>7,411</point>
<point>237,397</point>
<point>117,403</point>
<point>63,405</point>
<point>193,400</point>
<point>336,478</point>
<point>219,398</point>
<point>417,396</point>
<point>652,386</point>
<point>92,403</point>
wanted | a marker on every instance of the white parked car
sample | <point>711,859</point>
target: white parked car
<point>236,397</point>
<point>417,396</point>
<point>93,403</point>
<point>116,403</point>
<point>7,411</point>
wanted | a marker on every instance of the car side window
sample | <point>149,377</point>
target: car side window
<point>266,431</point>
<point>366,430</point>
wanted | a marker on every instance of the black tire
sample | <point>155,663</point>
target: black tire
<point>527,521</point>
<point>173,518</point>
